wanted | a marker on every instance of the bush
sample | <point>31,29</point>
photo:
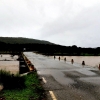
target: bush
<point>33,89</point>
<point>11,81</point>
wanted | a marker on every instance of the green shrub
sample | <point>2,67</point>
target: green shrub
<point>11,81</point>
<point>27,87</point>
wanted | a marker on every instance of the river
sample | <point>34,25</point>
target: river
<point>89,60</point>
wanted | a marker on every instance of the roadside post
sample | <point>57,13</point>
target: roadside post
<point>99,66</point>
<point>83,63</point>
<point>72,61</point>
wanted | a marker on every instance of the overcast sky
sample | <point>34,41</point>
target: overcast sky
<point>64,22</point>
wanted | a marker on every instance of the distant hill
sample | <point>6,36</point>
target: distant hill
<point>20,44</point>
<point>27,44</point>
<point>20,40</point>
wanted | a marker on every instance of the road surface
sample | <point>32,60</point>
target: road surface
<point>66,81</point>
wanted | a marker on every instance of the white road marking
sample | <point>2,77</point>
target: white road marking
<point>44,80</point>
<point>52,95</point>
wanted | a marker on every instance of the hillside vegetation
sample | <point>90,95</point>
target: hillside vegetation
<point>14,44</point>
<point>20,40</point>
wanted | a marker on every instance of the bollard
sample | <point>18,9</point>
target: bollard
<point>31,67</point>
<point>72,61</point>
<point>99,66</point>
<point>65,59</point>
<point>28,62</point>
<point>59,58</point>
<point>54,57</point>
<point>83,63</point>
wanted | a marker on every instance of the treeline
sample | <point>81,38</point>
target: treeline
<point>17,45</point>
<point>69,50</point>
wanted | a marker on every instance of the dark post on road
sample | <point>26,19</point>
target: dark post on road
<point>99,66</point>
<point>72,61</point>
<point>65,59</point>
<point>59,58</point>
<point>83,63</point>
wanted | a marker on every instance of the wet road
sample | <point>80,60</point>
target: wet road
<point>66,81</point>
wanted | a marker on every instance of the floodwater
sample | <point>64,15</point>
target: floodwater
<point>4,57</point>
<point>12,66</point>
<point>89,60</point>
<point>9,63</point>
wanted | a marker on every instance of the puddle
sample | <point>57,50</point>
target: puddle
<point>58,76</point>
<point>86,71</point>
<point>94,80</point>
<point>73,74</point>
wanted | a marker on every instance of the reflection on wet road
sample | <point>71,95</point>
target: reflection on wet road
<point>63,75</point>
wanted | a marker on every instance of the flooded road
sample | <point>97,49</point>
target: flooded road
<point>67,81</point>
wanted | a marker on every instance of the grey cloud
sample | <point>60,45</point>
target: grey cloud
<point>17,19</point>
<point>66,22</point>
<point>85,20</point>
<point>82,30</point>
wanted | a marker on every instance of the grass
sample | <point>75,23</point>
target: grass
<point>27,87</point>
<point>11,81</point>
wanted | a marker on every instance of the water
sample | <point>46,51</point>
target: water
<point>9,63</point>
<point>89,60</point>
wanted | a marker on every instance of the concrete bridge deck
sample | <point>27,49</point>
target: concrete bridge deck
<point>66,81</point>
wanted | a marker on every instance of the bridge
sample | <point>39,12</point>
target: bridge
<point>65,81</point>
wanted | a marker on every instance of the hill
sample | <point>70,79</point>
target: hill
<point>20,40</point>
<point>19,44</point>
